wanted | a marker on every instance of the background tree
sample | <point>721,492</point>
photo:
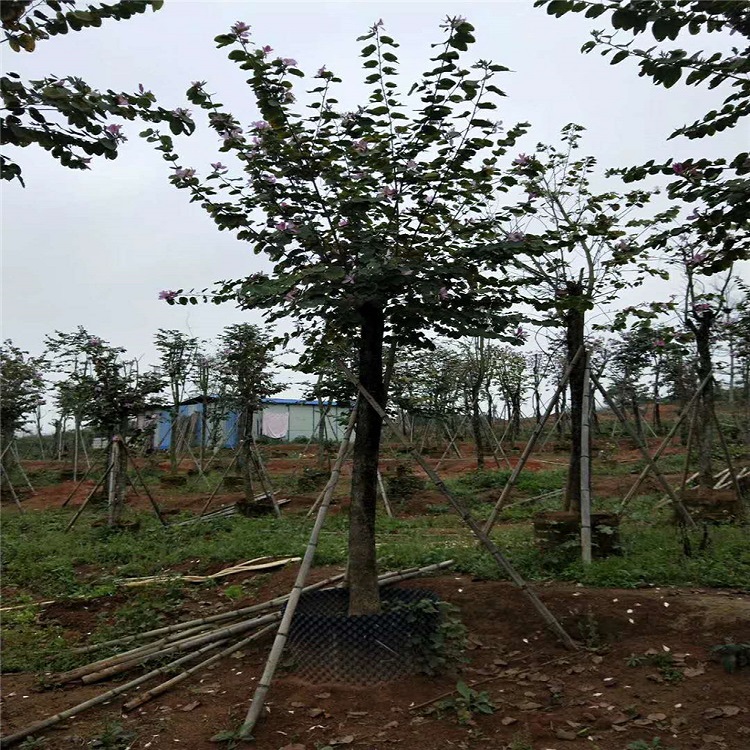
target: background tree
<point>22,387</point>
<point>246,377</point>
<point>113,390</point>
<point>64,115</point>
<point>580,249</point>
<point>720,187</point>
<point>177,353</point>
<point>370,219</point>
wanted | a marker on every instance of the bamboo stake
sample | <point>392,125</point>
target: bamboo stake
<point>730,468</point>
<point>681,509</point>
<point>667,440</point>
<point>81,481</point>
<point>484,539</point>
<point>14,451</point>
<point>88,498</point>
<point>383,494</point>
<point>223,477</point>
<point>4,473</point>
<point>256,706</point>
<point>538,428</point>
<point>260,470</point>
<point>220,617</point>
<point>16,737</point>
<point>159,689</point>
<point>498,445</point>
<point>586,465</point>
<point>154,504</point>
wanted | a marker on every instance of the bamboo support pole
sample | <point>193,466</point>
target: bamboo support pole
<point>384,495</point>
<point>153,502</point>
<point>165,686</point>
<point>14,451</point>
<point>80,510</point>
<point>538,428</point>
<point>586,465</point>
<point>4,473</point>
<point>223,477</point>
<point>256,706</point>
<point>483,538</point>
<point>667,440</point>
<point>498,446</point>
<point>741,501</point>
<point>38,726</point>
<point>81,481</point>
<point>265,480</point>
<point>681,509</point>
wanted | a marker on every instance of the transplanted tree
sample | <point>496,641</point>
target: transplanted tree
<point>246,376</point>
<point>22,388</point>
<point>112,390</point>
<point>64,115</point>
<point>580,249</point>
<point>177,353</point>
<point>370,218</point>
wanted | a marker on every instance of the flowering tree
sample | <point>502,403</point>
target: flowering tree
<point>720,187</point>
<point>205,379</point>
<point>177,354</point>
<point>246,377</point>
<point>580,249</point>
<point>369,217</point>
<point>64,115</point>
<point>22,388</point>
<point>112,389</point>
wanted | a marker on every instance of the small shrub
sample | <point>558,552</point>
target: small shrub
<point>402,484</point>
<point>467,703</point>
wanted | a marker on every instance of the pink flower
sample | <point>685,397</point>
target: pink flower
<point>388,192</point>
<point>115,131</point>
<point>141,90</point>
<point>167,295</point>
<point>217,166</point>
<point>289,62</point>
<point>261,125</point>
<point>411,165</point>
<point>344,222</point>
<point>696,259</point>
<point>623,244</point>
<point>269,178</point>
<point>182,173</point>
<point>242,31</point>
<point>522,160</point>
<point>515,236</point>
<point>291,294</point>
<point>377,25</point>
<point>197,84</point>
<point>180,112</point>
<point>286,226</point>
<point>267,49</point>
<point>361,146</point>
<point>678,168</point>
<point>94,341</point>
<point>701,307</point>
<point>660,342</point>
<point>121,100</point>
<point>321,72</point>
<point>349,279</point>
<point>443,293</point>
<point>521,334</point>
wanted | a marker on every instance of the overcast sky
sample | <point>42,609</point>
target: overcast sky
<point>95,248</point>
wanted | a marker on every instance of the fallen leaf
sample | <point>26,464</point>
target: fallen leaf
<point>730,710</point>
<point>347,740</point>
<point>620,718</point>
<point>297,704</point>
<point>323,695</point>
<point>693,671</point>
<point>315,712</point>
<point>564,734</point>
<point>597,659</point>
<point>709,738</point>
<point>528,706</point>
<point>506,721</point>
<point>390,725</point>
<point>713,713</point>
<point>356,713</point>
<point>190,706</point>
<point>656,717</point>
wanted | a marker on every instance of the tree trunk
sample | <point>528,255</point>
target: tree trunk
<point>364,594</point>
<point>174,415</point>
<point>574,340</point>
<point>245,428</point>
<point>476,425</point>
<point>117,480</point>
<point>657,407</point>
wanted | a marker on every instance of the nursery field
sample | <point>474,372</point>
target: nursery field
<point>660,626</point>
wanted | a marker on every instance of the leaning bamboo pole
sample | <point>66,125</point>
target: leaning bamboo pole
<point>256,706</point>
<point>681,509</point>
<point>16,737</point>
<point>466,516</point>
<point>667,440</point>
<point>536,433</point>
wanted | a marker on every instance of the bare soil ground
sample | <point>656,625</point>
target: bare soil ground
<point>544,696</point>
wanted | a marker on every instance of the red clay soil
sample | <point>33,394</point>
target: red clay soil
<point>544,696</point>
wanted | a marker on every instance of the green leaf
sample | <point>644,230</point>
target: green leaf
<point>619,57</point>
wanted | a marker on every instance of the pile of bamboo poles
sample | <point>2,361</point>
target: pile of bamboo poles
<point>202,641</point>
